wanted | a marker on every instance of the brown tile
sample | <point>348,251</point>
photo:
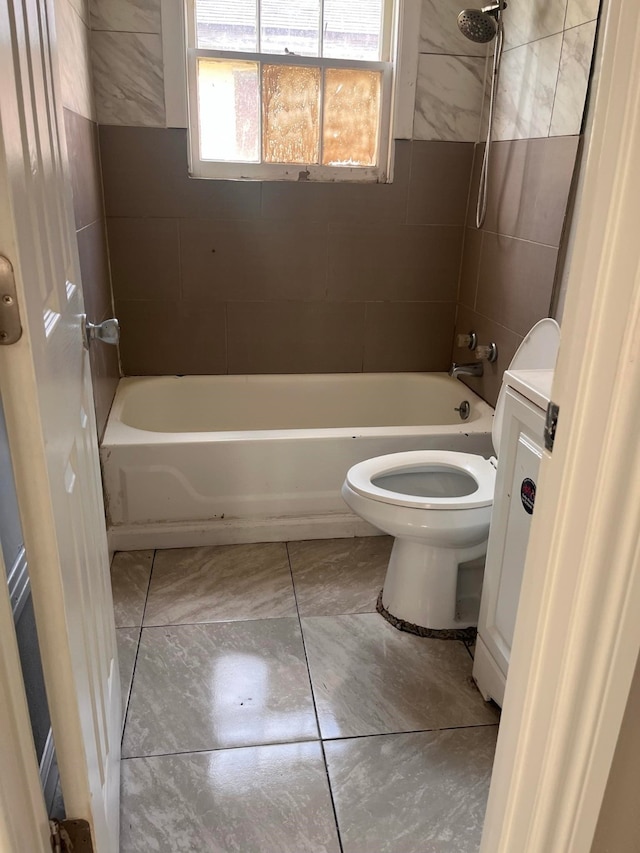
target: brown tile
<point>244,261</point>
<point>341,202</point>
<point>94,271</point>
<point>84,163</point>
<point>529,187</point>
<point>394,262</point>
<point>515,283</point>
<point>105,374</point>
<point>145,261</point>
<point>160,338</point>
<point>295,337</point>
<point>478,152</point>
<point>470,267</point>
<point>508,342</point>
<point>408,335</point>
<point>439,182</point>
<point>146,174</point>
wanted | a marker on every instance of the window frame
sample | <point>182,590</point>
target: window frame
<point>237,170</point>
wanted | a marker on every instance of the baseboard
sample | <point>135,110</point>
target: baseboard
<point>487,674</point>
<point>237,531</point>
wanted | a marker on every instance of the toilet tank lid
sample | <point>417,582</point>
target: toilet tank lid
<point>538,350</point>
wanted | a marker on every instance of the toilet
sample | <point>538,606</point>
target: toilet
<point>437,504</point>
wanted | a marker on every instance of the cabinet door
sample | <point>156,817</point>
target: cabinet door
<point>520,455</point>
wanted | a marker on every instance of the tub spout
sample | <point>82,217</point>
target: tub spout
<point>474,368</point>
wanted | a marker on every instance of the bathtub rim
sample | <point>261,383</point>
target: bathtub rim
<point>118,433</point>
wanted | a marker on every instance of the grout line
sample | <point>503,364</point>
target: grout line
<point>218,621</point>
<point>319,741</point>
<point>414,732</point>
<point>125,715</point>
<point>315,707</point>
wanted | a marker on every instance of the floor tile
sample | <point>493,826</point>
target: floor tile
<point>336,576</point>
<point>265,799</point>
<point>368,678</point>
<point>127,640</point>
<point>424,792</point>
<point>219,684</point>
<point>220,584</point>
<point>130,572</point>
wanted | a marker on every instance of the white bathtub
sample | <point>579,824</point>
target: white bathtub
<point>204,460</point>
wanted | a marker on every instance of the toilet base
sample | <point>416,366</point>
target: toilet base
<point>421,584</point>
<point>464,634</point>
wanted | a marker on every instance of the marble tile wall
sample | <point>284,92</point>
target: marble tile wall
<point>451,72</point>
<point>509,267</point>
<point>72,27</point>
<point>545,68</point>
<point>126,50</point>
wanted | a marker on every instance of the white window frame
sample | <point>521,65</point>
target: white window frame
<point>400,34</point>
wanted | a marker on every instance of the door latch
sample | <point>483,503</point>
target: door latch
<point>550,425</point>
<point>10,325</point>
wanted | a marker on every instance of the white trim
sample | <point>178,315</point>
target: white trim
<point>289,59</point>
<point>238,531</point>
<point>407,39</point>
<point>399,44</point>
<point>578,633</point>
<point>175,70</point>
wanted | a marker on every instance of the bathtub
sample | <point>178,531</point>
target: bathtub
<point>206,460</point>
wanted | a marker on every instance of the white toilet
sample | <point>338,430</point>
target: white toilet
<point>437,504</point>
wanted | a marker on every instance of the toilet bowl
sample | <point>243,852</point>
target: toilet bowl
<point>437,504</point>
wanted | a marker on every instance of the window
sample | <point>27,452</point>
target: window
<point>290,91</point>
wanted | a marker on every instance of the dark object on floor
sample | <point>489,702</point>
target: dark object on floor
<point>418,630</point>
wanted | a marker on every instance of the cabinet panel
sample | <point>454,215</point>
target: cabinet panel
<point>518,465</point>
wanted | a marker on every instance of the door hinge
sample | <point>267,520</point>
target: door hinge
<point>10,326</point>
<point>550,425</point>
<point>70,836</point>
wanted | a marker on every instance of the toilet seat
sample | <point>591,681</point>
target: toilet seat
<point>362,476</point>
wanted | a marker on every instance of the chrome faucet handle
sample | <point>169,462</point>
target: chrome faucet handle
<point>108,331</point>
<point>487,352</point>
<point>470,341</point>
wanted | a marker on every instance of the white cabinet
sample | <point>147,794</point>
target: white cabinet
<point>520,454</point>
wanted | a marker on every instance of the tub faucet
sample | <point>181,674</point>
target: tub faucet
<point>474,368</point>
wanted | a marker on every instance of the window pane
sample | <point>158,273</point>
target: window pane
<point>290,110</point>
<point>352,30</point>
<point>351,117</point>
<point>287,27</point>
<point>229,101</point>
<point>226,25</point>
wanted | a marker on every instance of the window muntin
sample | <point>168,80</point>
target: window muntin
<point>291,114</point>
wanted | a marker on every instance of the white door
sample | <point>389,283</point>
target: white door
<point>47,395</point>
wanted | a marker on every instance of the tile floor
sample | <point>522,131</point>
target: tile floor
<point>269,709</point>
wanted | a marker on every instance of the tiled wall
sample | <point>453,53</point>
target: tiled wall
<point>545,67</point>
<point>244,277</point>
<point>309,277</point>
<point>450,83</point>
<point>72,23</point>
<point>509,267</point>
<point>212,277</point>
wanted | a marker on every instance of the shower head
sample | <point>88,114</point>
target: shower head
<point>480,25</point>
